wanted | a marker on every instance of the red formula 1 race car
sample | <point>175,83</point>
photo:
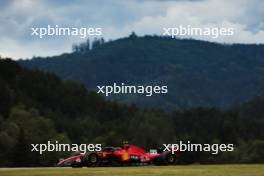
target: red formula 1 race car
<point>117,156</point>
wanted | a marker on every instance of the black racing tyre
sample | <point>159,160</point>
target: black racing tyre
<point>92,159</point>
<point>168,158</point>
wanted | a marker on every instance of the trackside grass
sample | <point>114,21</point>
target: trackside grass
<point>188,170</point>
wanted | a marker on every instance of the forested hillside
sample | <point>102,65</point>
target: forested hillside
<point>197,73</point>
<point>37,106</point>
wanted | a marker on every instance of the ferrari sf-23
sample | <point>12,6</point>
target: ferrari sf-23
<point>127,154</point>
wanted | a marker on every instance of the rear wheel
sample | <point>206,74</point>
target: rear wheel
<point>170,159</point>
<point>166,158</point>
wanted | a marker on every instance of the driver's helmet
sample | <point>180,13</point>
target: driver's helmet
<point>125,145</point>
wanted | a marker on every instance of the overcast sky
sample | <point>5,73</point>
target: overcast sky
<point>118,18</point>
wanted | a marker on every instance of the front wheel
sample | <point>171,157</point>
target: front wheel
<point>92,160</point>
